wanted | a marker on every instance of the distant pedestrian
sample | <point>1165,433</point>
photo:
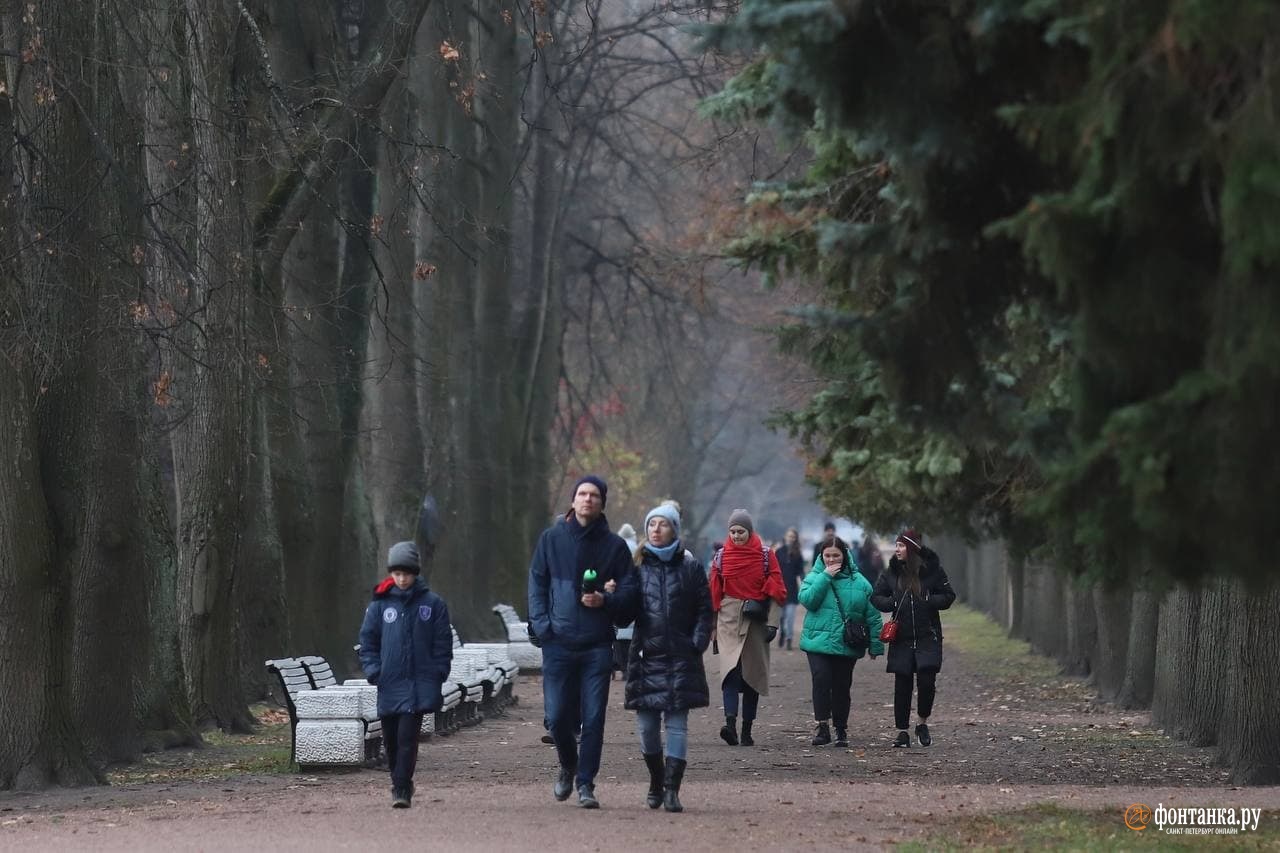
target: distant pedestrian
<point>622,642</point>
<point>406,649</point>
<point>573,617</point>
<point>912,590</point>
<point>746,583</point>
<point>791,562</point>
<point>831,595</point>
<point>870,560</point>
<point>828,530</point>
<point>665,675</point>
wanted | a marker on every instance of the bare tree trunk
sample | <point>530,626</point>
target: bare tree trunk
<point>210,444</point>
<point>1140,659</point>
<point>38,740</point>
<point>163,706</point>
<point>1249,680</point>
<point>1112,608</point>
<point>1176,678</point>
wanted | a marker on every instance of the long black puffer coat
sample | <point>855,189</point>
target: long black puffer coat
<point>919,644</point>
<point>673,628</point>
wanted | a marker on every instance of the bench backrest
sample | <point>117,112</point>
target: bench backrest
<point>516,630</point>
<point>318,671</point>
<point>292,677</point>
<point>457,641</point>
<point>507,614</point>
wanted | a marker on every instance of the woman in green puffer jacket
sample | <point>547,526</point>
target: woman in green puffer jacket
<point>832,593</point>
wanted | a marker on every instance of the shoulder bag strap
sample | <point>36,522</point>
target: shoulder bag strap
<point>839,604</point>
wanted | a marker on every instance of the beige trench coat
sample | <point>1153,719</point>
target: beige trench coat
<point>744,640</point>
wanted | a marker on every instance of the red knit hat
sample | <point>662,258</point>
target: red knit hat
<point>911,539</point>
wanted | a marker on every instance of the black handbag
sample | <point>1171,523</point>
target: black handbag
<point>756,610</point>
<point>855,634</point>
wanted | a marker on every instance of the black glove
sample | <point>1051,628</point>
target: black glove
<point>771,631</point>
<point>533,638</point>
<point>372,679</point>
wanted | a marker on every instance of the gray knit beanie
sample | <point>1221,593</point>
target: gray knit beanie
<point>743,518</point>
<point>404,555</point>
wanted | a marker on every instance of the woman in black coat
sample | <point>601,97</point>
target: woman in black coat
<point>665,676</point>
<point>912,590</point>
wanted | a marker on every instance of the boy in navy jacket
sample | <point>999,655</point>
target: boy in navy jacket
<point>406,649</point>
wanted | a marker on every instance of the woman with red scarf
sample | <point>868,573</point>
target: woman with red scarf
<point>745,576</point>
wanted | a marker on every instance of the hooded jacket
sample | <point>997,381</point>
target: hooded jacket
<point>673,629</point>
<point>919,644</point>
<point>406,647</point>
<point>823,629</point>
<point>563,553</point>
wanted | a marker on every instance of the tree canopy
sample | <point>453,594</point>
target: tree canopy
<point>1045,236</point>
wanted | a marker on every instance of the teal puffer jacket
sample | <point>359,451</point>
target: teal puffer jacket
<point>823,628</point>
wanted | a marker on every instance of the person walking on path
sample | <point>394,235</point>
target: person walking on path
<point>665,675</point>
<point>745,581</point>
<point>870,562</point>
<point>914,588</point>
<point>791,562</point>
<point>406,650</point>
<point>573,617</point>
<point>828,530</point>
<point>831,595</point>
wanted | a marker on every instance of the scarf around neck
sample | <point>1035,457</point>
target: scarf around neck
<point>665,553</point>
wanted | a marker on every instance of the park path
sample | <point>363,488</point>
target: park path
<point>1000,743</point>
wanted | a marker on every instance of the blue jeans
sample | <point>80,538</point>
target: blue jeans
<point>734,684</point>
<point>786,629</point>
<point>647,723</point>
<point>575,690</point>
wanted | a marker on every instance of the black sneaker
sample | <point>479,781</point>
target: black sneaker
<point>564,783</point>
<point>904,739</point>
<point>823,736</point>
<point>548,739</point>
<point>842,738</point>
<point>587,797</point>
<point>922,735</point>
<point>400,798</point>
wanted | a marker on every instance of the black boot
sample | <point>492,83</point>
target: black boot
<point>401,797</point>
<point>729,731</point>
<point>654,763</point>
<point>822,736</point>
<point>671,783</point>
<point>746,733</point>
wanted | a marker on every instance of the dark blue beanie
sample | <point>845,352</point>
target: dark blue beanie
<point>595,481</point>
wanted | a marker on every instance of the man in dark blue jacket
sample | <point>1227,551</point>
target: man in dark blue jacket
<point>406,649</point>
<point>573,619</point>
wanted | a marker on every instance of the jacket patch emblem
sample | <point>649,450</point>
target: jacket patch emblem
<point>389,615</point>
<point>424,612</point>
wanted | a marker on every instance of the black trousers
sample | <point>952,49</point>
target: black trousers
<point>832,677</point>
<point>400,735</point>
<point>902,695</point>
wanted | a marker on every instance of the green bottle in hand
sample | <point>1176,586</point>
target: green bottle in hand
<point>590,582</point>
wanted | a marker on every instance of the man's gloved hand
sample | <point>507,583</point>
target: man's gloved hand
<point>533,638</point>
<point>771,631</point>
<point>372,679</point>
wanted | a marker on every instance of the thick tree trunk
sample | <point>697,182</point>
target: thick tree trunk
<point>163,708</point>
<point>1249,678</point>
<point>1140,658</point>
<point>38,740</point>
<point>1112,608</point>
<point>210,446</point>
<point>1176,678</point>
